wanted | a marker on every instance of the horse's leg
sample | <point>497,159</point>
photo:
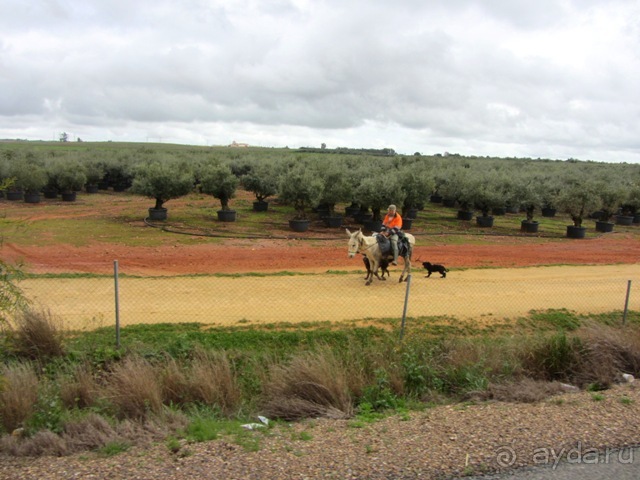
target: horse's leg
<point>406,271</point>
<point>374,270</point>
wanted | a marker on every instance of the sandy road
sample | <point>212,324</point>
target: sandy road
<point>485,295</point>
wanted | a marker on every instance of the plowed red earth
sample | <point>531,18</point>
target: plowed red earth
<point>276,255</point>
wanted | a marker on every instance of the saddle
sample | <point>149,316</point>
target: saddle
<point>384,243</point>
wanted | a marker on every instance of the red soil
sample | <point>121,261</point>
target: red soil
<point>276,255</point>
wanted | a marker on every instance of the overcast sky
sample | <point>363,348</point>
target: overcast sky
<point>546,78</point>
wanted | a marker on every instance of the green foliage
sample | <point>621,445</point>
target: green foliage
<point>68,175</point>
<point>379,395</point>
<point>579,200</point>
<point>12,298</point>
<point>219,181</point>
<point>417,183</point>
<point>114,448</point>
<point>378,190</point>
<point>561,319</point>
<point>261,180</point>
<point>48,412</point>
<point>162,180</point>
<point>29,174</point>
<point>484,191</point>
<point>612,194</point>
<point>336,186</point>
<point>300,187</point>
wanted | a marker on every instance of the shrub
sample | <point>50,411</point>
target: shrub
<point>133,388</point>
<point>18,395</point>
<point>312,384</point>
<point>162,181</point>
<point>525,390</point>
<point>11,297</point>
<point>606,353</point>
<point>300,187</point>
<point>219,181</point>
<point>69,176</point>
<point>36,334</point>
<point>213,381</point>
<point>80,389</point>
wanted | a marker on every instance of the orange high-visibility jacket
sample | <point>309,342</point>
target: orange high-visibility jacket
<point>392,221</point>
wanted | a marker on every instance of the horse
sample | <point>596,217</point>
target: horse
<point>360,243</point>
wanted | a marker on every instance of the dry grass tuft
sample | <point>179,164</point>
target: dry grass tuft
<point>313,384</point>
<point>89,433</point>
<point>94,432</point>
<point>525,390</point>
<point>607,352</point>
<point>42,443</point>
<point>36,334</point>
<point>18,394</point>
<point>80,390</point>
<point>213,381</point>
<point>175,383</point>
<point>133,388</point>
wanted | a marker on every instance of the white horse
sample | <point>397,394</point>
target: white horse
<point>360,243</point>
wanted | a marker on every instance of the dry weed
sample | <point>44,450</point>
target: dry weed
<point>212,380</point>
<point>313,384</point>
<point>18,394</point>
<point>36,334</point>
<point>525,390</point>
<point>607,352</point>
<point>133,388</point>
<point>80,389</point>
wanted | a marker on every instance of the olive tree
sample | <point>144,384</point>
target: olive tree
<point>300,186</point>
<point>417,183</point>
<point>379,190</point>
<point>482,191</point>
<point>578,199</point>
<point>261,180</point>
<point>68,175</point>
<point>30,176</point>
<point>335,183</point>
<point>458,186</point>
<point>162,180</point>
<point>612,195</point>
<point>631,203</point>
<point>217,180</point>
<point>527,192</point>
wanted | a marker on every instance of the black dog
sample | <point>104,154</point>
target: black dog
<point>435,268</point>
<point>384,265</point>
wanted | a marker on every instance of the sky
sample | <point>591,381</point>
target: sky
<point>552,79</point>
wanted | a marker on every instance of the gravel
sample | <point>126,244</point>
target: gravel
<point>441,442</point>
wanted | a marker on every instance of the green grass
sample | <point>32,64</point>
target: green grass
<point>114,448</point>
<point>117,218</point>
<point>203,428</point>
<point>432,364</point>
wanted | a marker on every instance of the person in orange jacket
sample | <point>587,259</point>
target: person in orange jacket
<point>392,224</point>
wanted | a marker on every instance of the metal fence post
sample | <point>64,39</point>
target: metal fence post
<point>115,276</point>
<point>626,303</point>
<point>406,302</point>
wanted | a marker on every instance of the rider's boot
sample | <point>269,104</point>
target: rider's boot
<point>394,248</point>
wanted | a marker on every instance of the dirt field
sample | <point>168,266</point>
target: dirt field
<point>605,263</point>
<point>238,256</point>
<point>486,295</point>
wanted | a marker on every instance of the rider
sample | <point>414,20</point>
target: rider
<point>392,224</point>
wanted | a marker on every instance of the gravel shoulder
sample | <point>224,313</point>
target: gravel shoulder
<point>442,442</point>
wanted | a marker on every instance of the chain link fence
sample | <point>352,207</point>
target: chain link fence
<point>481,295</point>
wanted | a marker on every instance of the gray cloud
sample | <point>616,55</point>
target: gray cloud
<point>548,78</point>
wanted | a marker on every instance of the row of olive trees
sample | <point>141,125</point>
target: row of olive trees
<point>575,189</point>
<point>371,183</point>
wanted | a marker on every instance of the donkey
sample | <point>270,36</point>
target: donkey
<point>360,243</point>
